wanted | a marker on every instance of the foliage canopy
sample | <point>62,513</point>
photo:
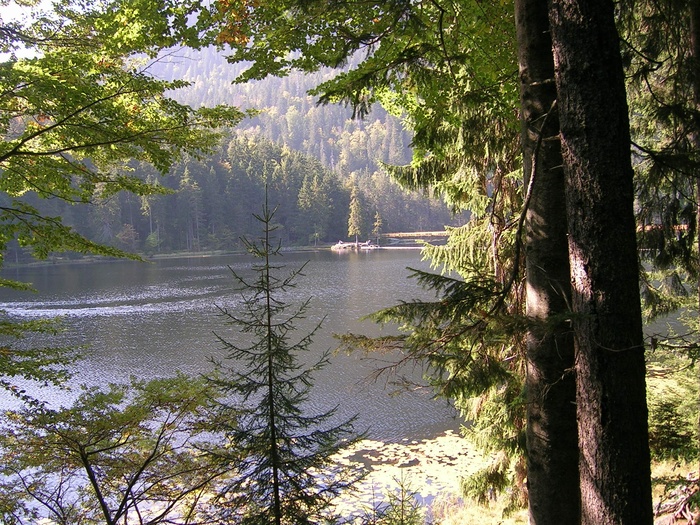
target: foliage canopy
<point>119,453</point>
<point>79,106</point>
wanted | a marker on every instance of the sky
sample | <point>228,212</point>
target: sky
<point>10,11</point>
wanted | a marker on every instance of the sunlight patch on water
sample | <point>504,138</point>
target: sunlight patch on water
<point>127,302</point>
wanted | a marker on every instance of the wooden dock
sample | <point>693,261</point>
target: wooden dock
<point>413,235</point>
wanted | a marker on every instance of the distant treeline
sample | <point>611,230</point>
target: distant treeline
<point>210,203</point>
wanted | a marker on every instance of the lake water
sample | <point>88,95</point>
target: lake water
<point>151,319</point>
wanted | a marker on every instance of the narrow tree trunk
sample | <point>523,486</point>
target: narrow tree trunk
<point>552,437</point>
<point>275,459</point>
<point>611,398</point>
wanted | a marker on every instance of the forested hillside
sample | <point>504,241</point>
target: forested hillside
<point>288,114</point>
<point>208,203</point>
<point>310,158</point>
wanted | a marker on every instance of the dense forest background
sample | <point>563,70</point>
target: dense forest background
<point>310,157</point>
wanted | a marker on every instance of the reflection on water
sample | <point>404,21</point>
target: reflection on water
<point>149,320</point>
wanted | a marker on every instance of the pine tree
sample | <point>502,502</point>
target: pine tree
<point>355,217</point>
<point>280,457</point>
<point>447,96</point>
<point>377,226</point>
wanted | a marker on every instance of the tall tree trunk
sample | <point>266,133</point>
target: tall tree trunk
<point>552,437</point>
<point>695,130</point>
<point>611,398</point>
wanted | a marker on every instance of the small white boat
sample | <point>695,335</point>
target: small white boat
<point>342,246</point>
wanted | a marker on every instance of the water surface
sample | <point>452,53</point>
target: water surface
<point>150,319</point>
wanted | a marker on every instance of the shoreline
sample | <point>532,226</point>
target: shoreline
<point>140,258</point>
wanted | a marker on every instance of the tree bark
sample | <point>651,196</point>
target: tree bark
<point>695,79</point>
<point>552,437</point>
<point>695,131</point>
<point>611,398</point>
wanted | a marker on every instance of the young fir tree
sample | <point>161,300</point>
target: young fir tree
<point>280,455</point>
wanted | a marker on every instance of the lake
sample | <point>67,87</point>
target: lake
<point>151,319</point>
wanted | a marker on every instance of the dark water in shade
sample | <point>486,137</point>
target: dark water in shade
<point>149,320</point>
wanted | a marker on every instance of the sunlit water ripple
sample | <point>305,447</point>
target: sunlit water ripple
<point>151,320</point>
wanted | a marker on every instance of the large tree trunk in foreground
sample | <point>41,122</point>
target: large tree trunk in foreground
<point>611,399</point>
<point>695,77</point>
<point>695,132</point>
<point>552,438</point>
